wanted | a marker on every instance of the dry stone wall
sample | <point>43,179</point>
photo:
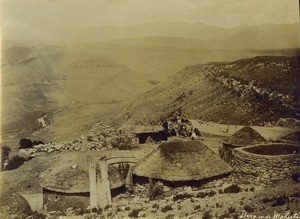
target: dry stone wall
<point>263,169</point>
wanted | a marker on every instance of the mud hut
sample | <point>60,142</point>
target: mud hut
<point>145,133</point>
<point>181,162</point>
<point>67,184</point>
<point>13,205</point>
<point>292,138</point>
<point>243,137</point>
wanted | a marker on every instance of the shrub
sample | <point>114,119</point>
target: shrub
<point>197,207</point>
<point>207,215</point>
<point>181,196</point>
<point>279,201</point>
<point>15,162</point>
<point>25,143</point>
<point>232,189</point>
<point>266,200</point>
<point>106,207</point>
<point>204,194</point>
<point>156,190</point>
<point>231,210</point>
<point>135,212</point>
<point>166,208</point>
<point>96,210</point>
<point>155,205</point>
<point>218,205</point>
<point>223,216</point>
<point>248,208</point>
<point>122,143</point>
<point>170,216</point>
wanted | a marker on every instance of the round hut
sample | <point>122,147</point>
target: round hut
<point>67,183</point>
<point>181,161</point>
<point>243,137</point>
<point>13,205</point>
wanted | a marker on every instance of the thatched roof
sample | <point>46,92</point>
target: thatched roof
<point>13,204</point>
<point>245,136</point>
<point>181,161</point>
<point>293,137</point>
<point>72,176</point>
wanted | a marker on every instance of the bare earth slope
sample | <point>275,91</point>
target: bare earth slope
<point>248,91</point>
<point>39,79</point>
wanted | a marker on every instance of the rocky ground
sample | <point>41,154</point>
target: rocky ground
<point>218,199</point>
<point>221,198</point>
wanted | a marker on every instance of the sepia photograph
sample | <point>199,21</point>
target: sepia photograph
<point>155,109</point>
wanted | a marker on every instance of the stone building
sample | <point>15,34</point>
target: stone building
<point>145,133</point>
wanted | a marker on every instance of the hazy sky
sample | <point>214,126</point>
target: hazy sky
<point>225,13</point>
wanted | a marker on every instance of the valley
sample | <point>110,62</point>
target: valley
<point>143,115</point>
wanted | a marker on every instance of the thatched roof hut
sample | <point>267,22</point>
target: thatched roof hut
<point>244,137</point>
<point>13,205</point>
<point>181,161</point>
<point>72,176</point>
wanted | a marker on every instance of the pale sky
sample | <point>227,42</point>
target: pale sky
<point>82,13</point>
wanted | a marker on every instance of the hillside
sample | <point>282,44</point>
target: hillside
<point>247,91</point>
<point>41,77</point>
<point>77,84</point>
<point>37,80</point>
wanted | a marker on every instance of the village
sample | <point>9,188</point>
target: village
<point>180,168</point>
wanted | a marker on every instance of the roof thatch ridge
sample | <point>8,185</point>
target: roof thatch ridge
<point>245,136</point>
<point>181,161</point>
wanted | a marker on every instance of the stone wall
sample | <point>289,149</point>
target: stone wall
<point>263,169</point>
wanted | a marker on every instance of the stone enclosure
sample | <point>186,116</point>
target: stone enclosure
<point>265,163</point>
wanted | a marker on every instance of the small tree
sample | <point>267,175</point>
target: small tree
<point>15,162</point>
<point>25,143</point>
